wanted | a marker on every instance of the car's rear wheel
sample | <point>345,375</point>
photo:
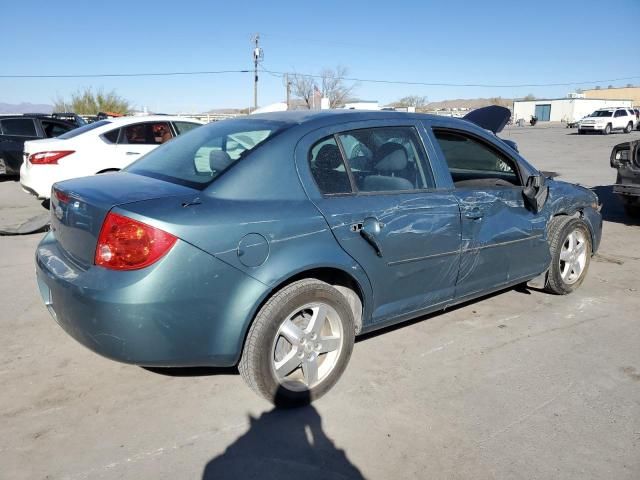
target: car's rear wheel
<point>580,132</point>
<point>299,343</point>
<point>607,129</point>
<point>628,128</point>
<point>570,245</point>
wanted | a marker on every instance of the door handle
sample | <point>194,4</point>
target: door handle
<point>473,213</point>
<point>371,227</point>
<point>133,153</point>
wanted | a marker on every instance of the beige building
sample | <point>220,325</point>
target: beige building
<point>617,93</point>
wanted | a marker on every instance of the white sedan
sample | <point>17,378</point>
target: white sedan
<point>100,147</point>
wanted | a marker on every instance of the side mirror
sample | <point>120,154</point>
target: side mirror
<point>535,193</point>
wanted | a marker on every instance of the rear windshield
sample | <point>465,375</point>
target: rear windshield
<point>198,157</point>
<point>85,128</point>
<point>601,113</point>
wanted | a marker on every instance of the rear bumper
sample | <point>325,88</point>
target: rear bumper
<point>38,180</point>
<point>188,309</point>
<point>627,190</point>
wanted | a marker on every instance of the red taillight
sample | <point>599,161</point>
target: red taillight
<point>61,196</point>
<point>126,244</point>
<point>48,158</point>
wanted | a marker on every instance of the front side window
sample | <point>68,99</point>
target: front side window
<point>473,163</point>
<point>386,159</point>
<point>21,127</point>
<point>200,156</point>
<point>327,167</point>
<point>184,127</point>
<point>150,133</point>
<point>620,113</point>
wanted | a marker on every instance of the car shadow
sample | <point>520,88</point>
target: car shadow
<point>192,371</point>
<point>283,443</point>
<point>9,178</point>
<point>612,206</point>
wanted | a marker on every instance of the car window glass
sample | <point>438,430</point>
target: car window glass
<point>23,127</point>
<point>386,159</point>
<point>54,129</point>
<point>85,128</point>
<point>472,163</point>
<point>112,135</point>
<point>327,167</point>
<point>184,127</point>
<point>150,133</point>
<point>198,157</point>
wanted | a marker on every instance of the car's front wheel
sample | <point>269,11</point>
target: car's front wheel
<point>299,343</point>
<point>570,245</point>
<point>607,129</point>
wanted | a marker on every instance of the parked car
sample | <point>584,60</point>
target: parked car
<point>99,147</point>
<point>16,130</point>
<point>270,242</point>
<point>625,158</point>
<point>606,120</point>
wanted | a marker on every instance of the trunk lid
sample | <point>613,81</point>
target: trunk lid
<point>79,206</point>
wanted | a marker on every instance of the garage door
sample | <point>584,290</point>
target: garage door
<point>543,112</point>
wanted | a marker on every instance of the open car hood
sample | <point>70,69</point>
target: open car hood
<point>492,118</point>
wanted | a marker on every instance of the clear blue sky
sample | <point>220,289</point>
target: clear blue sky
<point>488,42</point>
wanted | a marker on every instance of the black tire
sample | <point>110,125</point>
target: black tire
<point>632,209</point>
<point>580,132</point>
<point>559,230</point>
<point>607,129</point>
<point>258,353</point>
<point>628,128</point>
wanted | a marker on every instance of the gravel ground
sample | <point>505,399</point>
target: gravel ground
<point>517,385</point>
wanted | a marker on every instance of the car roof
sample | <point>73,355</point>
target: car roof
<point>120,121</point>
<point>299,117</point>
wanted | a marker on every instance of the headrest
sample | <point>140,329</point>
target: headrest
<point>391,157</point>
<point>219,160</point>
<point>328,157</point>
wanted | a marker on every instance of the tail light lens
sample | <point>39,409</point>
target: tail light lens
<point>48,158</point>
<point>126,244</point>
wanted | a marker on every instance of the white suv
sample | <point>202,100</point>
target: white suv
<point>605,120</point>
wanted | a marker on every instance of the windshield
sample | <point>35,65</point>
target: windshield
<point>601,113</point>
<point>85,128</point>
<point>198,157</point>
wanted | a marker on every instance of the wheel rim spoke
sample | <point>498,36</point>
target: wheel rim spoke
<point>310,371</point>
<point>329,344</point>
<point>291,332</point>
<point>317,319</point>
<point>288,364</point>
<point>565,255</point>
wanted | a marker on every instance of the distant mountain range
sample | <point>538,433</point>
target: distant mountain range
<point>470,103</point>
<point>25,108</point>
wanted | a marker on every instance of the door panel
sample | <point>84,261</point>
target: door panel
<point>419,241</point>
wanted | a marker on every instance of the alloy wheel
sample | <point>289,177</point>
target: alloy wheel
<point>573,256</point>
<point>307,346</point>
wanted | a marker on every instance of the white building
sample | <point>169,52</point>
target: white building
<point>562,109</point>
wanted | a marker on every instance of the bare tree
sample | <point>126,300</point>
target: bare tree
<point>302,86</point>
<point>417,101</point>
<point>334,86</point>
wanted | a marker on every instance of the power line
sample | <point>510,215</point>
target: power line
<point>139,74</point>
<point>350,79</point>
<point>442,84</point>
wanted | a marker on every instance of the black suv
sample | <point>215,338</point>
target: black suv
<point>15,130</point>
<point>625,157</point>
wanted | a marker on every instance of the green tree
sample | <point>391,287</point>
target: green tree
<point>85,102</point>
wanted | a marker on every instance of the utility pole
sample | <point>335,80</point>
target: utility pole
<point>286,79</point>
<point>258,55</point>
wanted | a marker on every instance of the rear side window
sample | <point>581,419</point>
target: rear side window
<point>200,156</point>
<point>54,129</point>
<point>184,127</point>
<point>327,167</point>
<point>21,127</point>
<point>386,159</point>
<point>112,136</point>
<point>473,163</point>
